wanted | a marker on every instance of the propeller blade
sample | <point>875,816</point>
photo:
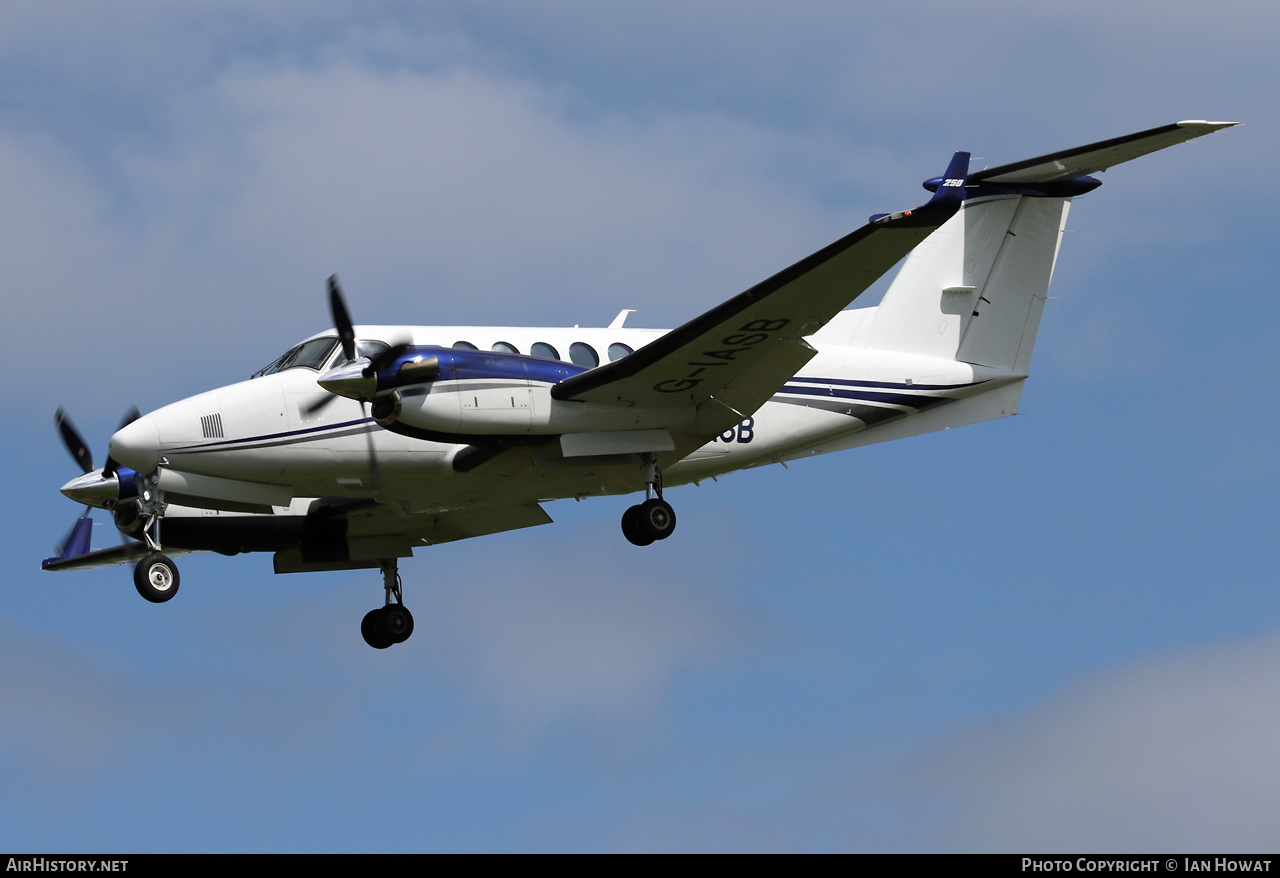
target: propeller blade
<point>129,417</point>
<point>373,454</point>
<point>72,439</point>
<point>319,405</point>
<point>109,468</point>
<point>341,319</point>
<point>385,359</point>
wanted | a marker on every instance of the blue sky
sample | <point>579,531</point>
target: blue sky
<point>1058,631</point>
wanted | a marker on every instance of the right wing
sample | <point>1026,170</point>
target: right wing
<point>756,336</point>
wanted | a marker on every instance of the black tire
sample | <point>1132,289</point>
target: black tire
<point>656,519</point>
<point>374,629</point>
<point>631,528</point>
<point>398,622</point>
<point>156,578</point>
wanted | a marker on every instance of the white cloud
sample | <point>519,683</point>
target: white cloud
<point>588,639</point>
<point>1174,753</point>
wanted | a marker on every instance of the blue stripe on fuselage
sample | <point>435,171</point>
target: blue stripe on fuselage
<point>901,385</point>
<point>915,401</point>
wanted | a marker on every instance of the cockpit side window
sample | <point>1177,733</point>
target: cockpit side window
<point>308,355</point>
<point>365,348</point>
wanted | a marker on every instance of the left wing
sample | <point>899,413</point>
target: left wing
<point>359,534</point>
<point>756,337</point>
<point>76,552</point>
<point>331,536</point>
<point>124,554</point>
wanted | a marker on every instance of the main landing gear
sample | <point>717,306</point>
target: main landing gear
<point>391,623</point>
<point>155,576</point>
<point>654,519</point>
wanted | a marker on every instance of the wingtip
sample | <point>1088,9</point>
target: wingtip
<point>1210,126</point>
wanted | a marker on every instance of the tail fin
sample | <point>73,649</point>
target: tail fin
<point>975,288</point>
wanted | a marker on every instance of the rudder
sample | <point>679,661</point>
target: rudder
<point>975,289</point>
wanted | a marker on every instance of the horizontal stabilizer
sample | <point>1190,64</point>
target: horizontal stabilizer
<point>1094,157</point>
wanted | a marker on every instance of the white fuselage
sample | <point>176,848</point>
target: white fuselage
<point>267,437</point>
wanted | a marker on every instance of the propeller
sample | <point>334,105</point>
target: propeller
<point>109,468</point>
<point>73,440</point>
<point>378,362</point>
<point>347,334</point>
<point>341,319</point>
<point>320,404</point>
<point>77,540</point>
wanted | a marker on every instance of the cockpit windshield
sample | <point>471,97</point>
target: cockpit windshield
<point>308,355</point>
<point>313,354</point>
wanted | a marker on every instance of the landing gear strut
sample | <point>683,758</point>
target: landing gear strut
<point>391,623</point>
<point>155,576</point>
<point>654,519</point>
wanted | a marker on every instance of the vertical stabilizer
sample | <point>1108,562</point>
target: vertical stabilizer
<point>974,290</point>
<point>1001,329</point>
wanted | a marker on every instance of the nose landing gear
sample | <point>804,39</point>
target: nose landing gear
<point>654,519</point>
<point>155,576</point>
<point>391,623</point>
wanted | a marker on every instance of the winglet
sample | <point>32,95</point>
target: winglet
<point>77,542</point>
<point>951,189</point>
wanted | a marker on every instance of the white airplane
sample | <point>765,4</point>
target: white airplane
<point>362,443</point>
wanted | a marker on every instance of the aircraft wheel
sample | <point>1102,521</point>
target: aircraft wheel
<point>156,578</point>
<point>656,518</point>
<point>398,621</point>
<point>375,630</point>
<point>631,528</point>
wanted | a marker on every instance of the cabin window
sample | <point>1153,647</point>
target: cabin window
<point>464,346</point>
<point>544,350</point>
<point>618,350</point>
<point>584,355</point>
<point>503,347</point>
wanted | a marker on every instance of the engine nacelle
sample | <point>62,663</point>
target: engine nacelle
<point>128,519</point>
<point>510,408</point>
<point>451,395</point>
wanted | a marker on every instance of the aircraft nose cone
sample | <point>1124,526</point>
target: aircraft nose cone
<point>137,446</point>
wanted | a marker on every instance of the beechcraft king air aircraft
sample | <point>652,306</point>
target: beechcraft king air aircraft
<point>362,443</point>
